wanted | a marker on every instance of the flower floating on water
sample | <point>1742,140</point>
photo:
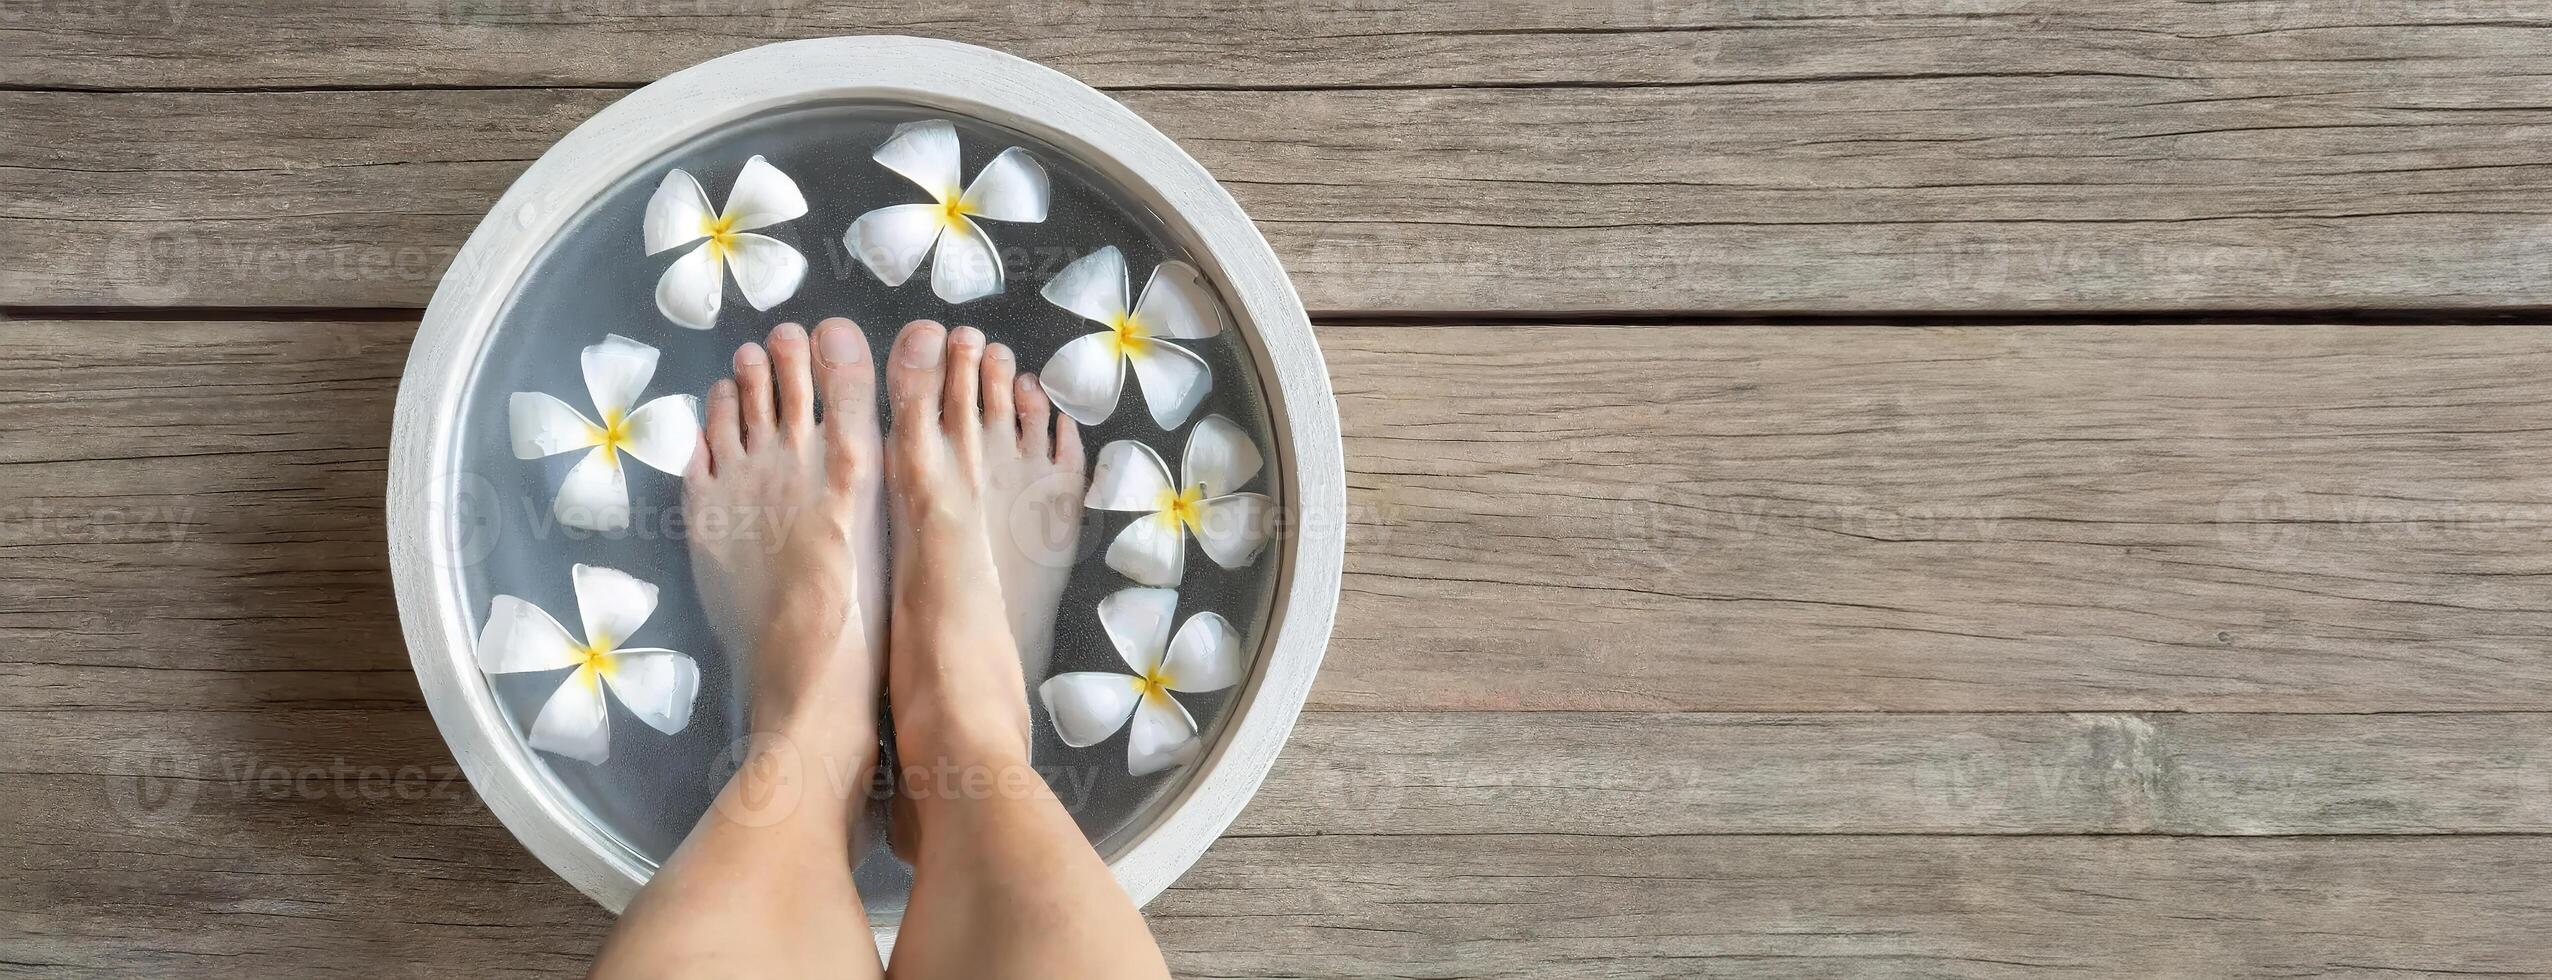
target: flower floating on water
<point>660,433</point>
<point>766,270</point>
<point>1230,526</point>
<point>892,240</point>
<point>656,685</point>
<point>1089,706</point>
<point>1087,375</point>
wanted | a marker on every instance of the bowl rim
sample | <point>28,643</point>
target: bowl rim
<point>426,486</point>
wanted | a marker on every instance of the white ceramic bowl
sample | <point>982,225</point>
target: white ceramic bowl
<point>431,541</point>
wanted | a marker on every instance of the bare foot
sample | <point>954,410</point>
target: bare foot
<point>1033,477</point>
<point>784,525</point>
<point>959,462</point>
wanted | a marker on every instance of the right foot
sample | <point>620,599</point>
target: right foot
<point>973,476</point>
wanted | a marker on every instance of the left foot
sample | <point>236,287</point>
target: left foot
<point>784,520</point>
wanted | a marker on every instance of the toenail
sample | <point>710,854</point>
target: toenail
<point>837,346</point>
<point>749,354</point>
<point>998,352</point>
<point>923,350</point>
<point>790,331</point>
<point>967,337</point>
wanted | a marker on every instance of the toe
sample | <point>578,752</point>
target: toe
<point>1033,410</point>
<point>849,388</point>
<point>724,430</point>
<point>958,411</point>
<point>753,395</point>
<point>1067,443</point>
<point>794,381</point>
<point>912,382</point>
<point>1001,423</point>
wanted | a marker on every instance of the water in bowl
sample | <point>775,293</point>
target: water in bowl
<point>594,279</point>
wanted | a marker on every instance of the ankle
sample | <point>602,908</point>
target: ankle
<point>931,732</point>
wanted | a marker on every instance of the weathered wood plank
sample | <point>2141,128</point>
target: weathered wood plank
<point>1861,908</point>
<point>1356,772</point>
<point>1934,157</point>
<point>249,888</point>
<point>1567,518</point>
<point>162,44</point>
<point>1431,773</point>
<point>203,43</point>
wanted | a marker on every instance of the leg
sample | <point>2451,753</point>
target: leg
<point>1004,883</point>
<point>762,887</point>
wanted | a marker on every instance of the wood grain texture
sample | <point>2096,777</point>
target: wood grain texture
<point>1862,908</point>
<point>282,874</point>
<point>1928,156</point>
<point>1490,773</point>
<point>173,44</point>
<point>1627,518</point>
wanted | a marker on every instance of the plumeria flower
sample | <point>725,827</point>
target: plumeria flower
<point>766,270</point>
<point>1231,527</point>
<point>656,685</point>
<point>892,240</point>
<point>1089,706</point>
<point>1088,374</point>
<point>660,433</point>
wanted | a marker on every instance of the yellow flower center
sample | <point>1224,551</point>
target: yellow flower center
<point>953,208</point>
<point>721,233</point>
<point>596,660</point>
<point>612,435</point>
<point>1154,685</point>
<point>1184,507</point>
<point>1130,335</point>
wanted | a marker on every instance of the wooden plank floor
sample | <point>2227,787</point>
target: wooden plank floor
<point>1914,489</point>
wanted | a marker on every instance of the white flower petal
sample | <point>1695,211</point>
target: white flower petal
<point>658,686</point>
<point>1164,735</point>
<point>966,266</point>
<point>613,604</point>
<point>1010,188</point>
<point>1128,476</point>
<point>1088,706</point>
<point>1085,378</point>
<point>1205,656</point>
<point>1138,624</point>
<point>1092,287</point>
<point>662,433</point>
<point>616,370</point>
<point>1220,456</point>
<point>925,153</point>
<point>1173,379</point>
<point>1178,304</point>
<point>594,496</point>
<point>677,213</point>
<point>766,270</point>
<point>1151,551</point>
<point>762,196</point>
<point>520,637</point>
<point>1233,528</point>
<point>573,722</point>
<point>689,292</point>
<point>891,242</point>
<point>544,426</point>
